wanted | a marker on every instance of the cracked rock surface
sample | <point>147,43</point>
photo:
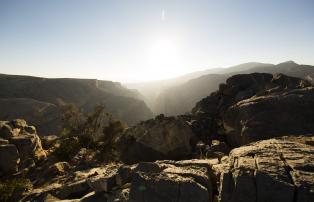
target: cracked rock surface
<point>269,170</point>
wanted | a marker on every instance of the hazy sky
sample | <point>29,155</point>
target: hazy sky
<point>135,40</point>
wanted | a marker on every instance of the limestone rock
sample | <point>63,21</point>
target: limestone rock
<point>6,131</point>
<point>29,146</point>
<point>9,159</point>
<point>252,107</point>
<point>19,142</point>
<point>172,181</point>
<point>166,187</point>
<point>160,138</point>
<point>269,170</point>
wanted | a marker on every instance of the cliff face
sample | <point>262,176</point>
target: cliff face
<point>257,106</point>
<point>84,93</point>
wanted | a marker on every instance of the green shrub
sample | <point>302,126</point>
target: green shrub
<point>68,148</point>
<point>95,131</point>
<point>11,190</point>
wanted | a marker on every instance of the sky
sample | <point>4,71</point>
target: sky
<point>133,40</point>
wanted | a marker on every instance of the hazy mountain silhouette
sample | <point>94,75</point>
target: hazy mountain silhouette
<point>179,95</point>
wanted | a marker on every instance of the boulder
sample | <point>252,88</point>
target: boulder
<point>264,117</point>
<point>252,107</point>
<point>160,138</point>
<point>19,142</point>
<point>171,181</point>
<point>9,159</point>
<point>269,170</point>
<point>6,131</point>
<point>29,146</point>
<point>174,184</point>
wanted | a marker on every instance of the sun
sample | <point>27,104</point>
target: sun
<point>164,57</point>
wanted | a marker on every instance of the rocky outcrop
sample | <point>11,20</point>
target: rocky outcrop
<point>279,169</point>
<point>159,138</point>
<point>9,159</point>
<point>260,106</point>
<point>20,146</point>
<point>164,181</point>
<point>269,170</point>
<point>168,180</point>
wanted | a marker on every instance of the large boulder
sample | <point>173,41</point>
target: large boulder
<point>9,159</point>
<point>258,106</point>
<point>5,130</point>
<point>269,170</point>
<point>19,143</point>
<point>29,146</point>
<point>171,181</point>
<point>159,138</point>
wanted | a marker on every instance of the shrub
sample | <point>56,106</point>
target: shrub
<point>68,148</point>
<point>95,131</point>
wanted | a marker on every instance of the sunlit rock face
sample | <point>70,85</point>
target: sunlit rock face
<point>258,106</point>
<point>160,138</point>
<point>20,146</point>
<point>269,170</point>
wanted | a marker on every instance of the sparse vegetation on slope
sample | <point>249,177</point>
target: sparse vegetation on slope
<point>95,131</point>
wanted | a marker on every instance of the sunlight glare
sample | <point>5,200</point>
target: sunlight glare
<point>164,58</point>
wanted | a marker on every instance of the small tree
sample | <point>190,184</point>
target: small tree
<point>96,131</point>
<point>72,120</point>
<point>94,124</point>
<point>111,132</point>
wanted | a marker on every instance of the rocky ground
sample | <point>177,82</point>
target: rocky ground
<point>207,156</point>
<point>279,169</point>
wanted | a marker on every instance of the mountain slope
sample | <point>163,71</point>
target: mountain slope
<point>151,90</point>
<point>85,93</point>
<point>181,98</point>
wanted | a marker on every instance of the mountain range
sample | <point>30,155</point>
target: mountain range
<point>179,95</point>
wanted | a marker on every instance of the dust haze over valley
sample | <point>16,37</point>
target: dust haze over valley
<point>156,101</point>
<point>179,95</point>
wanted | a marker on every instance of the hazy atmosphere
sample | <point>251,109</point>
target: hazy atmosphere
<point>130,41</point>
<point>157,100</point>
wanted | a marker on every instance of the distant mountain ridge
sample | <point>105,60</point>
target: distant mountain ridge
<point>179,95</point>
<point>42,93</point>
